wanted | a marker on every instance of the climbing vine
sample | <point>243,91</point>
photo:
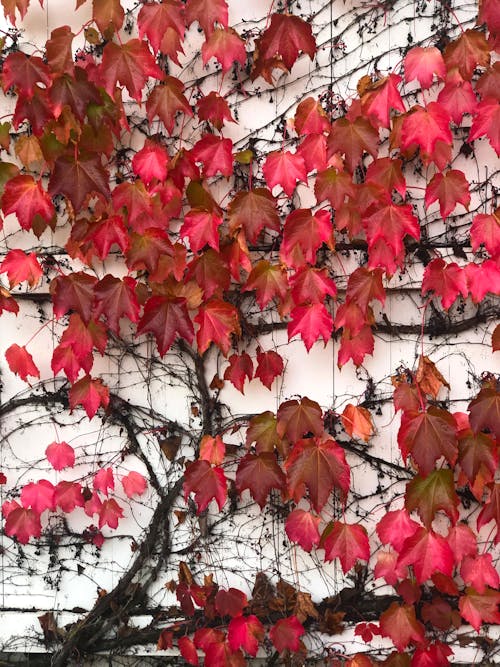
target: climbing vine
<point>197,196</point>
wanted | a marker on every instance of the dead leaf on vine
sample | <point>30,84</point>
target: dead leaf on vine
<point>170,446</point>
<point>331,622</point>
<point>429,378</point>
<point>304,607</point>
<point>185,576</point>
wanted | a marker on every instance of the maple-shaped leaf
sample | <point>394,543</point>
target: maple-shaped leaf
<point>240,367</point>
<point>482,278</point>
<point>19,266</point>
<point>210,272</point>
<point>390,224</point>
<point>134,484</point>
<point>485,411</point>
<point>259,474</point>
<point>39,496</point>
<point>147,248</point>
<point>400,624</point>
<point>450,188</point>
<point>253,211</point>
<point>320,466</point>
<point>486,122</point>
<point>387,173</point>
<point>479,572</point>
<point>90,393</point>
<point>217,321</point>
<point>380,97</point>
<point>104,481</point>
<point>130,64</point>
<point>457,97</point>
<point>352,139</point>
<point>295,419</point>
<point>21,523</point>
<point>387,568</point>
<point>357,421</point>
<point>215,109</point>
<point>207,13</point>
<point>78,178</point>
<point>75,91</point>
<point>364,286</point>
<point>110,513</point>
<point>303,234</point>
<point>424,128</point>
<point>347,542</point>
<point>202,228</point>
<point>429,494</point>
<point>428,377</point>
<point>395,527</point>
<point>313,151</point>
<point>231,602</point>
<point>21,362</point>
<point>166,100</point>
<point>423,63</point>
<point>212,449</point>
<point>188,650</point>
<point>302,528</point>
<point>467,52</point>
<point>427,552</point>
<point>311,118</point>
<point>262,431</point>
<point>24,72</point>
<point>285,37</point>
<point>65,357</point>
<point>68,496</point>
<point>312,321</point>
<point>108,14</point>
<point>58,50</point>
<point>60,455</point>
<point>26,198</point>
<point>7,302</point>
<point>286,633</point>
<point>166,318</point>
<point>106,233</point>
<point>73,292</point>
<point>447,280</point>
<point>284,168</point>
<point>462,541</point>
<point>221,654</point>
<point>491,511</point>
<point>311,285</point>
<point>216,155</point>
<point>269,280</point>
<point>226,46</point>
<point>478,459</point>
<point>333,185</point>
<point>485,229</point>
<point>115,299</point>
<point>207,483</point>
<point>245,632</point>
<point>84,336</point>
<point>150,162</point>
<point>269,366</point>
<point>355,346</point>
<point>154,19</point>
<point>427,436</point>
<point>477,608</point>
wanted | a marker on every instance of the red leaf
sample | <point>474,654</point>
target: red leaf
<point>154,19</point>
<point>108,14</point>
<point>487,122</point>
<point>167,319</point>
<point>285,169</point>
<point>270,282</point>
<point>215,109</point>
<point>428,553</point>
<point>26,198</point>
<point>285,37</point>
<point>485,229</point>
<point>286,633</point>
<point>226,46</point>
<point>260,474</point>
<point>427,436</point>
<point>150,163</point>
<point>129,64</point>
<point>216,154</point>
<point>7,302</point>
<point>24,72</point>
<point>347,542</point>
<point>107,232</point>
<point>450,188</point>
<point>22,523</point>
<point>395,527</point>
<point>240,367</point>
<point>202,228</point>
<point>424,128</point>
<point>134,484</point>
<point>467,52</point>
<point>207,13</point>
<point>253,211</point>
<point>68,496</point>
<point>19,266</point>
<point>357,421</point>
<point>188,650</point>
<point>429,494</point>
<point>39,496</point>
<point>319,466</point>
<point>110,513</point>
<point>311,118</point>
<point>446,280</point>
<point>355,346</point>
<point>477,608</point>
<point>380,97</point>
<point>73,292</point>
<point>207,483</point>
<point>296,419</point>
<point>166,100</point>
<point>303,234</point>
<point>478,571</point>
<point>90,393</point>
<point>353,138</point>
<point>457,97</point>
<point>485,411</point>
<point>78,178</point>
<point>21,362</point>
<point>245,632</point>
<point>115,299</point>
<point>217,320</point>
<point>65,358</point>
<point>230,603</point>
<point>364,286</point>
<point>400,624</point>
<point>312,322</point>
<point>302,528</point>
<point>491,511</point>
<point>462,542</point>
<point>60,455</point>
<point>423,63</point>
<point>147,248</point>
<point>269,367</point>
<point>333,185</point>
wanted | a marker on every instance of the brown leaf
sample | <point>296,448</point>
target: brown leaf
<point>170,446</point>
<point>304,607</point>
<point>429,378</point>
<point>331,622</point>
<point>185,576</point>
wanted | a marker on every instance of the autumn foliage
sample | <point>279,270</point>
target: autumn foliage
<point>201,235</point>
